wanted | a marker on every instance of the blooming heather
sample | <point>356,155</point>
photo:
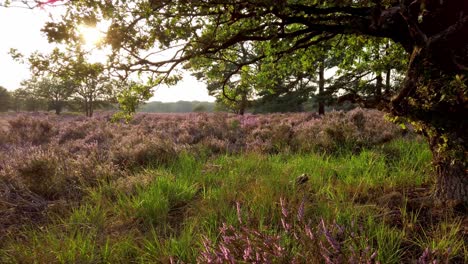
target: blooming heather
<point>54,157</point>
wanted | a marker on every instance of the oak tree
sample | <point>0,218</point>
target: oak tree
<point>67,73</point>
<point>54,90</point>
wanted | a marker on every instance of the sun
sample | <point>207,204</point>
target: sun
<point>90,35</point>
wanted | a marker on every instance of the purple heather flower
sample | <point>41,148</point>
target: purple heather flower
<point>335,245</point>
<point>300,212</point>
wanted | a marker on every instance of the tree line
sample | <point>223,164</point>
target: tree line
<point>362,72</point>
<point>31,99</point>
<point>177,107</point>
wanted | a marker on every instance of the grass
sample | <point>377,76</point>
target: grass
<point>159,214</point>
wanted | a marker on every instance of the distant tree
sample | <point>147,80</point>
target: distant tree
<point>55,91</point>
<point>304,78</point>
<point>176,107</point>
<point>240,81</point>
<point>92,84</point>
<point>284,84</point>
<point>280,103</point>
<point>60,75</point>
<point>17,100</point>
<point>5,99</point>
<point>199,108</point>
<point>131,97</point>
<point>25,99</point>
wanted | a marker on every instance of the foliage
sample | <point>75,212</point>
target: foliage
<point>365,60</point>
<point>5,99</point>
<point>24,99</point>
<point>59,75</point>
<point>55,91</point>
<point>228,78</point>
<point>130,98</point>
<point>176,107</point>
<point>92,84</point>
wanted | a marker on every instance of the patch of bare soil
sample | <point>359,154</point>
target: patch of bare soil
<point>20,207</point>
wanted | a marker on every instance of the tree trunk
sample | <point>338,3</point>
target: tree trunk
<point>241,111</point>
<point>388,72</point>
<point>243,103</point>
<point>378,86</point>
<point>91,106</point>
<point>86,107</point>
<point>434,95</point>
<point>387,81</point>
<point>57,106</point>
<point>321,105</point>
<point>450,167</point>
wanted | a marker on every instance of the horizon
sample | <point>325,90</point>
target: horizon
<point>193,101</point>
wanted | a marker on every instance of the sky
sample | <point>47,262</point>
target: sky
<point>20,29</point>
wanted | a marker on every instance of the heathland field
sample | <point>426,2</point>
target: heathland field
<point>218,188</point>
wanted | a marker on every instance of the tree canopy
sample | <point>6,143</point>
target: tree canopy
<point>68,73</point>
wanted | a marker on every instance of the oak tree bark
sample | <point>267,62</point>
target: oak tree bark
<point>321,104</point>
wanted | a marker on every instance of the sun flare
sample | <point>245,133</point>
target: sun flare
<point>91,35</point>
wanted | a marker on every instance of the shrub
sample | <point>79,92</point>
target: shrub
<point>212,145</point>
<point>133,151</point>
<point>74,131</point>
<point>3,132</point>
<point>296,241</point>
<point>353,130</point>
<point>89,170</point>
<point>28,130</point>
<point>40,171</point>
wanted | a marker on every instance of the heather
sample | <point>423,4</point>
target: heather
<point>348,187</point>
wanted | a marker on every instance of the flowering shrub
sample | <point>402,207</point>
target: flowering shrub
<point>133,152</point>
<point>39,170</point>
<point>55,157</point>
<point>32,130</point>
<point>157,138</point>
<point>296,241</point>
<point>352,130</point>
<point>78,131</point>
